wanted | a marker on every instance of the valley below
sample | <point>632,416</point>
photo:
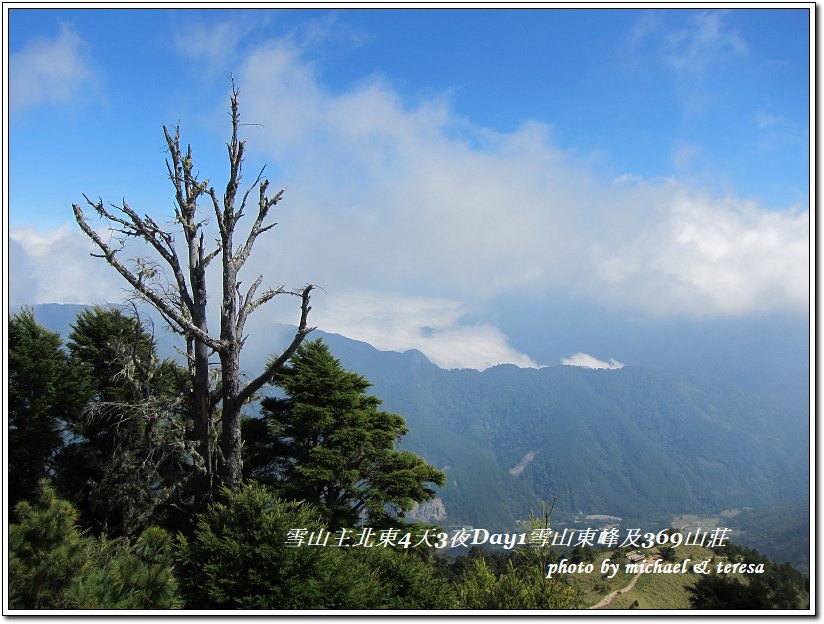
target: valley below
<point>631,447</point>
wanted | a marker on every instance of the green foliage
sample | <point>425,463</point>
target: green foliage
<point>780,586</point>
<point>39,396</point>
<point>124,577</point>
<point>46,553</point>
<point>328,444</point>
<point>524,587</point>
<point>107,342</point>
<point>782,532</point>
<point>517,579</point>
<point>667,553</point>
<point>238,559</point>
<point>720,592</point>
<point>128,445</point>
<point>52,565</point>
<point>407,581</point>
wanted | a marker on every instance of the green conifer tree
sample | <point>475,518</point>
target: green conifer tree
<point>327,443</point>
<point>124,446</point>
<point>53,565</point>
<point>42,392</point>
<point>240,557</point>
<point>46,552</point>
<point>514,588</point>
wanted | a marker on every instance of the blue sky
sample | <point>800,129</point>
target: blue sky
<point>646,163</point>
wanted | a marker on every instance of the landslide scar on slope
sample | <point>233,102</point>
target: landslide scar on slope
<point>520,467</point>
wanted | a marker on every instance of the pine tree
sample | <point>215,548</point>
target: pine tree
<point>46,552</point>
<point>54,565</point>
<point>129,443</point>
<point>40,395</point>
<point>328,443</point>
<point>240,558</point>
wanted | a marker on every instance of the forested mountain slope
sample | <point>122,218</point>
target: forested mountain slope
<point>628,442</point>
<point>640,444</point>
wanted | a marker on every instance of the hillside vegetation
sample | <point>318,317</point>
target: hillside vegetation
<point>639,444</point>
<point>123,529</point>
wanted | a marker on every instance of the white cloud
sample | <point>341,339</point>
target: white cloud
<point>434,326</point>
<point>38,245</point>
<point>779,132</point>
<point>384,194</point>
<point>216,45</point>
<point>707,257</point>
<point>384,197</point>
<point>54,71</point>
<point>628,178</point>
<point>686,155</point>
<point>56,267</point>
<point>648,24</point>
<point>588,361</point>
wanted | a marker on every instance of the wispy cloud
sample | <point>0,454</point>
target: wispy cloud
<point>685,155</point>
<point>51,71</point>
<point>778,132</point>
<point>434,326</point>
<point>216,46</point>
<point>767,120</point>
<point>706,41</point>
<point>588,361</point>
<point>695,52</point>
<point>648,24</point>
<point>55,267</point>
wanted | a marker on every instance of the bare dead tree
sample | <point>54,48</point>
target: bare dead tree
<point>176,288</point>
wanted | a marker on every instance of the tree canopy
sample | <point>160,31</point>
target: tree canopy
<point>327,442</point>
<point>38,399</point>
<point>53,564</point>
<point>127,446</point>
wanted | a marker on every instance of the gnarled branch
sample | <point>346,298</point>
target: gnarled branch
<point>303,330</point>
<point>163,306</point>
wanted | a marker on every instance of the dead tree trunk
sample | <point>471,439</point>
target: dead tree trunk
<point>183,304</point>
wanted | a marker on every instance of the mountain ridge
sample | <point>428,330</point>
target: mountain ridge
<point>638,443</point>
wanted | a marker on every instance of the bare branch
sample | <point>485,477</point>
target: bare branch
<point>221,224</point>
<point>149,231</point>
<point>187,188</point>
<point>176,174</point>
<point>264,204</point>
<point>163,306</point>
<point>249,190</point>
<point>208,258</point>
<point>250,305</point>
<point>267,296</point>
<point>303,330</point>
